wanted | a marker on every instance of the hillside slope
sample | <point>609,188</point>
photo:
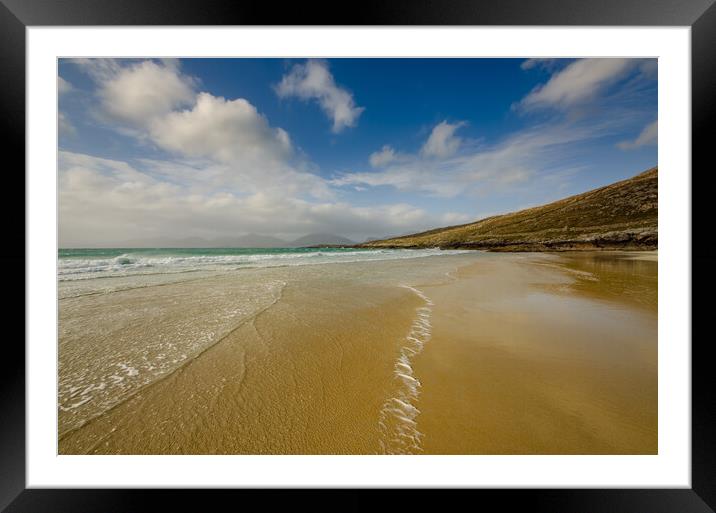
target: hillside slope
<point>622,215</point>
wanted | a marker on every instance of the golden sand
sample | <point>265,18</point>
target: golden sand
<point>472,354</point>
<point>523,361</point>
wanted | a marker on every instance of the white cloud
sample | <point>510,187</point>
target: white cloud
<point>108,201</point>
<point>220,143</point>
<point>649,135</point>
<point>517,159</point>
<point>143,91</point>
<point>386,155</point>
<point>313,81</point>
<point>230,144</point>
<point>580,81</point>
<point>225,130</point>
<point>442,141</point>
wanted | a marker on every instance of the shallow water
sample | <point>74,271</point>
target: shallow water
<point>124,333</point>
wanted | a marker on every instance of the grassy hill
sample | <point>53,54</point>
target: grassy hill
<point>622,215</point>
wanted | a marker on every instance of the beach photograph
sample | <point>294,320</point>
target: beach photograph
<point>357,256</point>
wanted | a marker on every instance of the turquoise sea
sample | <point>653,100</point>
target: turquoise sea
<point>82,263</point>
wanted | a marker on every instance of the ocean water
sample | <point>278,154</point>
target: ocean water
<point>79,264</point>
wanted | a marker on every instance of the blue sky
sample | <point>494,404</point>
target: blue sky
<point>362,148</point>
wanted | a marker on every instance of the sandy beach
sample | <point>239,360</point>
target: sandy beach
<point>474,353</point>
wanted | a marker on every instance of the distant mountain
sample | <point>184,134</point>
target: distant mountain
<point>166,242</point>
<point>251,240</point>
<point>623,215</point>
<point>321,239</point>
<point>192,242</point>
<point>254,240</point>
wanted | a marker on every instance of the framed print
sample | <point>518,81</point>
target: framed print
<point>420,248</point>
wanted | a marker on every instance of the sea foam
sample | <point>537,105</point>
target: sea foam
<point>397,422</point>
<point>84,264</point>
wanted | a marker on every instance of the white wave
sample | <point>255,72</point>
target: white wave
<point>130,264</point>
<point>397,422</point>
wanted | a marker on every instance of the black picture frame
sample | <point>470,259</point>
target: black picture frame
<point>17,15</point>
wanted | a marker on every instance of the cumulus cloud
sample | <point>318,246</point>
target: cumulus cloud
<point>386,155</point>
<point>649,135</point>
<point>314,81</point>
<point>136,92</point>
<point>230,144</point>
<point>442,141</point>
<point>227,130</point>
<point>222,143</point>
<point>144,91</point>
<point>580,81</point>
<point>107,201</point>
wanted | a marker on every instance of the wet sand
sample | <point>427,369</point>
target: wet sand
<point>467,354</point>
<point>527,360</point>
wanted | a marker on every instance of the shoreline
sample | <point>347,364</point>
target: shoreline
<point>527,247</point>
